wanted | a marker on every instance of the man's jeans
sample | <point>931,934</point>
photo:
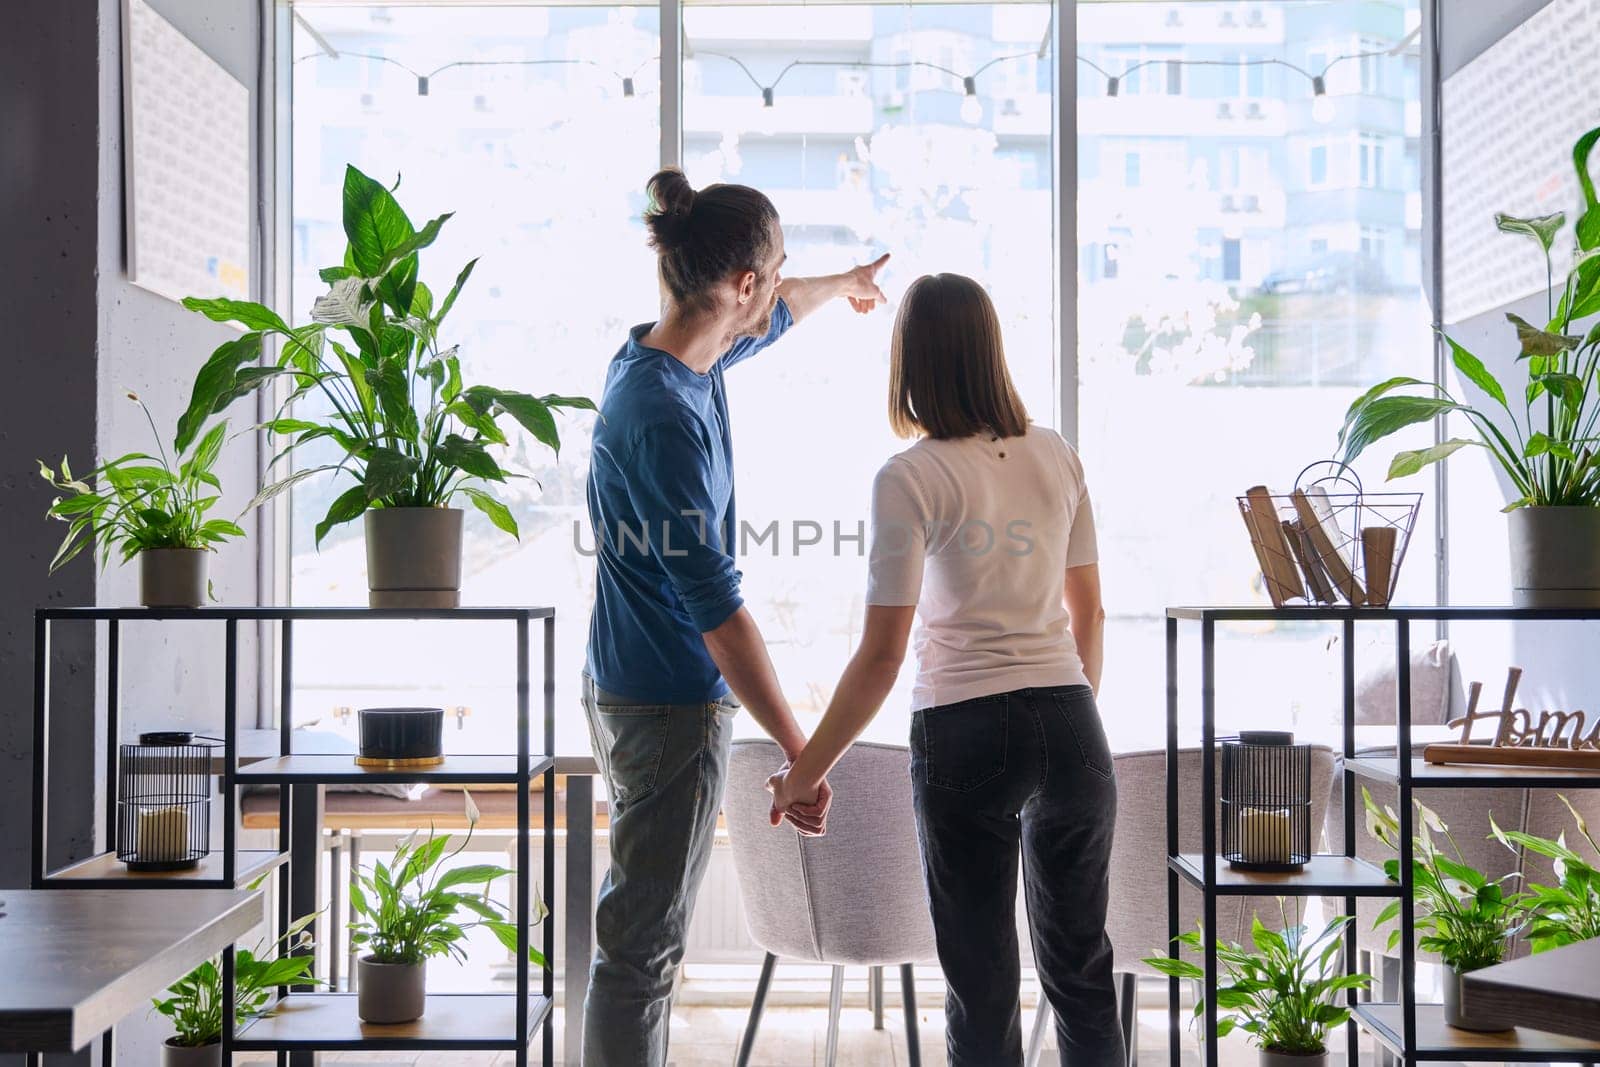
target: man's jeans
<point>1030,767</point>
<point>666,765</point>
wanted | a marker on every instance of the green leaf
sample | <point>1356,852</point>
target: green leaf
<point>214,386</point>
<point>399,285</point>
<point>247,313</point>
<point>206,452</point>
<point>1589,222</point>
<point>285,483</point>
<point>477,874</point>
<point>1569,387</point>
<point>349,505</point>
<point>1407,463</point>
<point>1381,389</point>
<point>1537,342</point>
<point>335,274</point>
<point>469,456</point>
<point>1384,415</point>
<point>374,223</point>
<point>388,472</point>
<point>423,237</point>
<point>1542,228</point>
<point>532,413</point>
<point>498,513</point>
<point>1472,368</point>
<point>582,402</point>
<point>455,290</point>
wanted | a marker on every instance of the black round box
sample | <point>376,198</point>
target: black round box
<point>401,735</point>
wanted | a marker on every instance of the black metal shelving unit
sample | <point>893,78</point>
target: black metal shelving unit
<point>1414,1033</point>
<point>308,1022</point>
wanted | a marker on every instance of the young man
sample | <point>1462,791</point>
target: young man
<point>670,636</point>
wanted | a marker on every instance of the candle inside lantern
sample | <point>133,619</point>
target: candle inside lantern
<point>1264,835</point>
<point>162,835</point>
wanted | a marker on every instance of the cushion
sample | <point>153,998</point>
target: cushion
<point>1437,695</point>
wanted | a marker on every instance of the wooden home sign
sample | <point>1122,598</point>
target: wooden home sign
<point>1569,739</point>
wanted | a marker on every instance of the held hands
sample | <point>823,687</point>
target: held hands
<point>861,287</point>
<point>806,809</point>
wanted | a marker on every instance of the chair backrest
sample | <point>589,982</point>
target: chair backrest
<point>854,895</point>
<point>1137,918</point>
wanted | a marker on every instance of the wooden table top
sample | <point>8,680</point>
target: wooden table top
<point>1556,991</point>
<point>78,961</point>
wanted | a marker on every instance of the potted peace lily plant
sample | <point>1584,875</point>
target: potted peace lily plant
<point>150,507</point>
<point>1464,917</point>
<point>411,910</point>
<point>415,437</point>
<point>194,1002</point>
<point>1286,995</point>
<point>1542,434</point>
<point>1569,911</point>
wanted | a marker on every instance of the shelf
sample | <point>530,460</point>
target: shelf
<point>1436,1041</point>
<point>1322,876</point>
<point>1421,613</point>
<point>341,769</point>
<point>327,1022</point>
<point>105,871</point>
<point>1426,775</point>
<point>294,614</point>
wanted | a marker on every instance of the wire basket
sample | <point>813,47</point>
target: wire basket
<point>1329,541</point>
<point>164,801</point>
<point>1266,802</point>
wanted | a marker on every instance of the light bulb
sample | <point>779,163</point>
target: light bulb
<point>971,110</point>
<point>1322,110</point>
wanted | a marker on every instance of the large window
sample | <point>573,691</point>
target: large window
<point>1266,273</point>
<point>1247,259</point>
<point>542,153</point>
<point>861,159</point>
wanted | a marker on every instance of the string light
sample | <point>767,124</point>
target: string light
<point>424,81</point>
<point>971,107</point>
<point>1322,109</point>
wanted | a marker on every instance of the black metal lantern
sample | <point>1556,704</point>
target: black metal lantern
<point>164,801</point>
<point>1266,801</point>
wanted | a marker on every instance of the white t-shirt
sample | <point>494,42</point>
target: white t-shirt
<point>978,533</point>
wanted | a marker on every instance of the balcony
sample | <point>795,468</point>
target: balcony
<point>1180,116</point>
<point>841,116</point>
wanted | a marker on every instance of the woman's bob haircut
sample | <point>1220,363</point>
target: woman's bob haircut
<point>947,364</point>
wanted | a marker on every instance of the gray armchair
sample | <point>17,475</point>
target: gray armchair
<point>1137,919</point>
<point>853,897</point>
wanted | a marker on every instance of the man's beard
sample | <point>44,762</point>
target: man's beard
<point>760,325</point>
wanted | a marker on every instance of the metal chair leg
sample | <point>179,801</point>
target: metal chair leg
<point>336,892</point>
<point>835,1006</point>
<point>1128,1010</point>
<point>1041,1026</point>
<point>750,1027</point>
<point>355,875</point>
<point>908,997</point>
<point>875,995</point>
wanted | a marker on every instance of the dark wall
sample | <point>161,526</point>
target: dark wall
<point>78,333</point>
<point>49,263</point>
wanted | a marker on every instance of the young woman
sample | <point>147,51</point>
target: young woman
<point>983,527</point>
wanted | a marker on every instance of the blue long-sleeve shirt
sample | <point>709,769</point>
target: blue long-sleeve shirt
<point>662,506</point>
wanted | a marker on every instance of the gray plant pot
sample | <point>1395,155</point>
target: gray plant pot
<point>390,992</point>
<point>1555,557</point>
<point>191,1056</point>
<point>1270,1058</point>
<point>1453,1015</point>
<point>172,577</point>
<point>414,557</point>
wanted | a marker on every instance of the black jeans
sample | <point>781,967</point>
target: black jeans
<point>1029,767</point>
